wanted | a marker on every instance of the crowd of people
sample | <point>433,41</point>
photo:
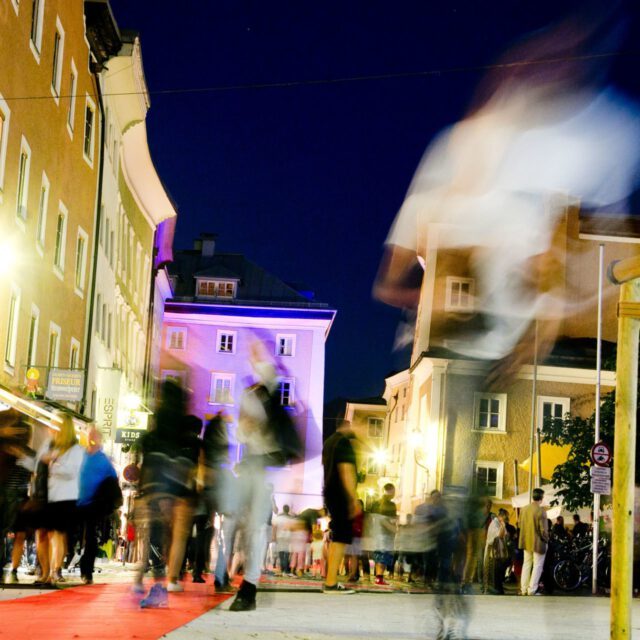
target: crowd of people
<point>195,511</point>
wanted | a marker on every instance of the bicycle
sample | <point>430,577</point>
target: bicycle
<point>576,570</point>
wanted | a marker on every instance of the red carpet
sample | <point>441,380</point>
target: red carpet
<point>101,612</point>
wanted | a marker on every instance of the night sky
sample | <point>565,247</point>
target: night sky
<point>305,180</point>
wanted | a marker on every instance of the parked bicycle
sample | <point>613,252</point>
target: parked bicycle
<point>575,570</point>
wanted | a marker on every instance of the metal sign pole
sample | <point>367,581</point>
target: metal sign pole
<point>596,496</point>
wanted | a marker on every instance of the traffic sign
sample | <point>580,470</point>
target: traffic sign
<point>600,480</point>
<point>601,454</point>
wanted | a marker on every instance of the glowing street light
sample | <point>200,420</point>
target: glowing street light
<point>8,257</point>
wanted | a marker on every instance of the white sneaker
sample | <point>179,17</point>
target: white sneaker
<point>175,587</point>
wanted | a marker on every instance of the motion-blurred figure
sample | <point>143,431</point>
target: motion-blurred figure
<point>340,479</point>
<point>534,537</point>
<point>489,199</point>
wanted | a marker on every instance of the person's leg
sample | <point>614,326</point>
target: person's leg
<point>182,519</point>
<point>536,573</point>
<point>336,554</point>
<point>200,546</point>
<point>18,550</point>
<point>43,553</point>
<point>90,539</point>
<point>525,574</point>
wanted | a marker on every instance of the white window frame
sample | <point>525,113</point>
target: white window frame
<point>13,323</point>
<point>373,466</point>
<point>292,391</point>
<point>56,81</point>
<point>174,331</point>
<point>43,208</point>
<point>217,282</point>
<point>58,265</point>
<point>226,377</point>
<point>91,105</point>
<point>449,304</point>
<point>490,464</point>
<point>222,334</point>
<point>5,112</point>
<point>79,286</point>
<point>75,344</point>
<point>35,39</point>
<point>370,420</point>
<point>71,112</point>
<point>542,400</point>
<point>292,349</point>
<point>22,187</point>
<point>502,412</point>
<point>31,353</point>
<point>53,328</point>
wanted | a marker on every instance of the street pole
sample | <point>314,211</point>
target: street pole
<point>533,414</point>
<point>596,496</point>
<point>625,272</point>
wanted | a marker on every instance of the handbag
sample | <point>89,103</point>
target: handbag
<point>499,549</point>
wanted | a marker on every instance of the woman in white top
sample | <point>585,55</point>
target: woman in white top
<point>64,461</point>
<point>494,550</point>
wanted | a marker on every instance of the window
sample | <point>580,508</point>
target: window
<point>5,114</point>
<point>33,335</point>
<point>459,295</point>
<point>103,322</point>
<point>109,329</point>
<point>487,479</point>
<point>285,390</point>
<point>61,239</point>
<point>22,192</point>
<point>12,328</point>
<point>221,388</point>
<point>89,130</point>
<point>376,427</point>
<point>226,342</point>
<point>551,409</point>
<point>43,203</point>
<point>490,412</point>
<point>373,466</point>
<point>81,259</point>
<point>54,345</point>
<point>73,88</point>
<point>217,288</point>
<point>285,345</point>
<point>58,51</point>
<point>98,311</point>
<point>177,338</point>
<point>74,354</point>
<point>37,15</point>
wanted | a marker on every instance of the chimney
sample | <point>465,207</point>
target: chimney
<point>206,244</point>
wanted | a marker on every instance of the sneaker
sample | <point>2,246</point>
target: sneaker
<point>156,599</point>
<point>223,587</point>
<point>337,588</point>
<point>86,580</point>
<point>198,579</point>
<point>381,581</point>
<point>175,587</point>
<point>13,577</point>
<point>245,599</point>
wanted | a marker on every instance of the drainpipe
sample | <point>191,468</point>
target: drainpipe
<point>95,70</point>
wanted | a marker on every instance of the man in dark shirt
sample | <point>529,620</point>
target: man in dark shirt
<point>340,477</point>
<point>580,529</point>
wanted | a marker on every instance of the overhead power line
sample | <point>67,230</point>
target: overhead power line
<point>347,79</point>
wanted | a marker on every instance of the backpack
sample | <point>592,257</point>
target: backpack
<point>283,428</point>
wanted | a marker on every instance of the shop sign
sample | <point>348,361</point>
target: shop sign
<point>65,384</point>
<point>107,402</point>
<point>127,436</point>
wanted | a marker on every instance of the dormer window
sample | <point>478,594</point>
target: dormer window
<point>217,288</point>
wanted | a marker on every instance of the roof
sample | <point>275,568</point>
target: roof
<point>372,400</point>
<point>256,286</point>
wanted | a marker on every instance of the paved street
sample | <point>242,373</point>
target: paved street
<point>289,612</point>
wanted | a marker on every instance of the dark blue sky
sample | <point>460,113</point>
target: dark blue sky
<point>306,180</point>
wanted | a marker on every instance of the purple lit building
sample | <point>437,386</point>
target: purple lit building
<point>222,303</point>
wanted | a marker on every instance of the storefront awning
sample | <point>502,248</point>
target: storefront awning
<point>551,456</point>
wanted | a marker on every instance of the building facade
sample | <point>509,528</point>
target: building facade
<point>49,157</point>
<point>221,305</point>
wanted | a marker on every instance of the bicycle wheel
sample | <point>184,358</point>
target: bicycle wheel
<point>567,575</point>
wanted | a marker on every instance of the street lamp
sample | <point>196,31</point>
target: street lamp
<point>8,257</point>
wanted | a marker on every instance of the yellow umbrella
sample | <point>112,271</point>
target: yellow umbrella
<point>552,455</point>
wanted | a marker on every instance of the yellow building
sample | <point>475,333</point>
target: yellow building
<point>467,436</point>
<point>49,153</point>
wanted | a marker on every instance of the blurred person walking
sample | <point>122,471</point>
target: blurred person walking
<point>387,512</point>
<point>340,479</point>
<point>60,517</point>
<point>99,497</point>
<point>534,537</point>
<point>282,533</point>
<point>268,433</point>
<point>495,555</point>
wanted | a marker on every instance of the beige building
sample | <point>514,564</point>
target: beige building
<point>463,435</point>
<point>368,418</point>
<point>49,152</point>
